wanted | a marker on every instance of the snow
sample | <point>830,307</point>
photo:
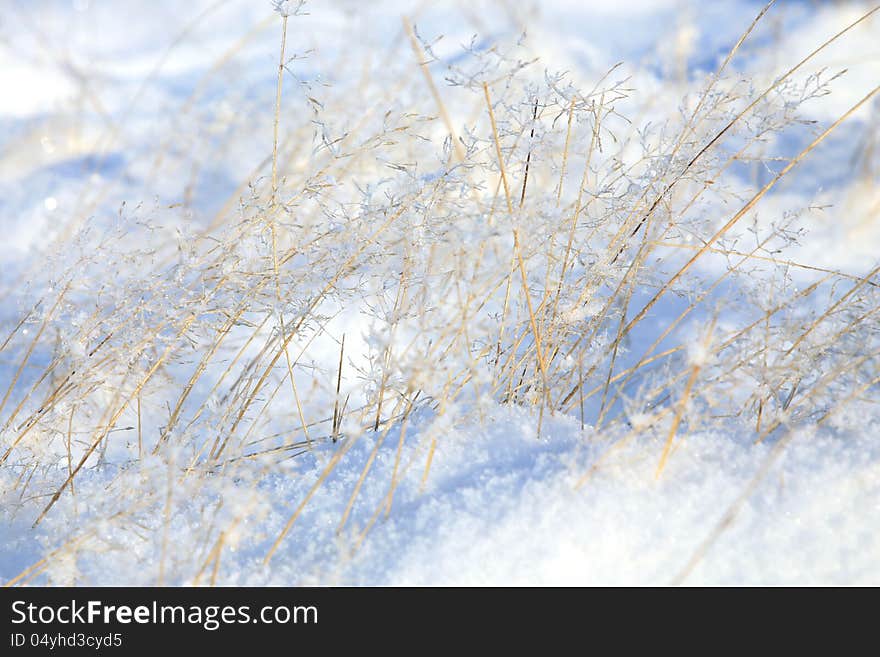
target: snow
<point>135,168</point>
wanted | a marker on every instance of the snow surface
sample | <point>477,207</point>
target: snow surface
<point>91,89</point>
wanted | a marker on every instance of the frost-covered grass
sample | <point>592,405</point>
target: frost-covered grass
<point>318,296</point>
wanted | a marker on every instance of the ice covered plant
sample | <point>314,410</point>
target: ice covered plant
<point>410,252</point>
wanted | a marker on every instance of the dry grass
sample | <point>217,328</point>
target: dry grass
<point>534,306</point>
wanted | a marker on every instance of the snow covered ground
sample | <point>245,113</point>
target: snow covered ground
<point>313,333</point>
